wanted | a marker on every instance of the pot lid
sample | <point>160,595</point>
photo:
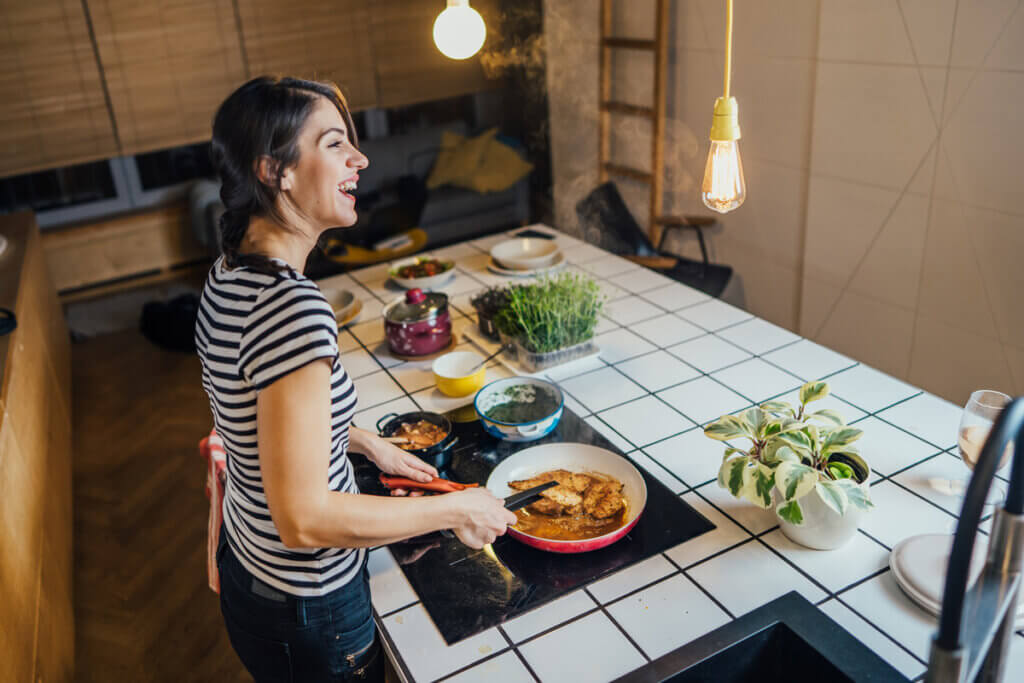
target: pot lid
<point>418,305</point>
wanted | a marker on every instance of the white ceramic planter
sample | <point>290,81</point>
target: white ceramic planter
<point>823,529</point>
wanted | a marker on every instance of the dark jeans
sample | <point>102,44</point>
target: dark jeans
<point>288,639</point>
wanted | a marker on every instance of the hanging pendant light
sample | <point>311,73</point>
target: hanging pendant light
<point>459,30</point>
<point>724,188</point>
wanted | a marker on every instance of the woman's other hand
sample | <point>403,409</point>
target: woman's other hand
<point>393,460</point>
<point>482,515</point>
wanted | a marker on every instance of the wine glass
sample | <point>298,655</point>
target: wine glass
<point>980,412</point>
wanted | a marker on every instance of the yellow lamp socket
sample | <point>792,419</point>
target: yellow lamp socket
<point>725,124</point>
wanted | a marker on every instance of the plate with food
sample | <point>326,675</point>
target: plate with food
<point>424,434</point>
<point>599,498</point>
<point>423,272</point>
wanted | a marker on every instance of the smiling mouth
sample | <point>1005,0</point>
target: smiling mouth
<point>347,187</point>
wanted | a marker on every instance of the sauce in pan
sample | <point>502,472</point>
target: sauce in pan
<point>566,528</point>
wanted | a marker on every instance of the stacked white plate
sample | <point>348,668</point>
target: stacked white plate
<point>525,256</point>
<point>919,566</point>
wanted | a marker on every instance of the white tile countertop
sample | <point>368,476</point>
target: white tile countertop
<point>673,359</point>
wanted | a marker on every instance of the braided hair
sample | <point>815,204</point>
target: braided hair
<point>262,119</point>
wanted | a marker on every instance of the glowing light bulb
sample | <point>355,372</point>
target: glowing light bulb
<point>723,189</point>
<point>459,30</point>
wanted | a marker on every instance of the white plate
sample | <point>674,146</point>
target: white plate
<point>525,253</point>
<point>558,263</point>
<point>424,283</point>
<point>919,565</point>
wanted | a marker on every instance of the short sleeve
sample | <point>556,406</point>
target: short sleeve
<point>290,325</point>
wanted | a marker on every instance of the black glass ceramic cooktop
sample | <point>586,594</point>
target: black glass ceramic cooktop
<point>467,591</point>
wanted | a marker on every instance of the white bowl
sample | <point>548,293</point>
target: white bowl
<point>525,253</point>
<point>341,302</point>
<point>424,283</point>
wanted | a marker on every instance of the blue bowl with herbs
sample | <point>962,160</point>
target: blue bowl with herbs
<point>519,408</point>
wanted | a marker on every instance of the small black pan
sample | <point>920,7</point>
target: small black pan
<point>438,455</point>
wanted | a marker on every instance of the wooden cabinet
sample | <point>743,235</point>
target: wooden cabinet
<point>168,65</point>
<point>52,107</point>
<point>314,39</point>
<point>36,615</point>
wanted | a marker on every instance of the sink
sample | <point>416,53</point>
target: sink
<point>788,639</point>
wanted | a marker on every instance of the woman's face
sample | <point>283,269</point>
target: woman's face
<point>323,181</point>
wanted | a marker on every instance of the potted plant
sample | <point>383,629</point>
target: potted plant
<point>487,304</point>
<point>551,321</point>
<point>801,464</point>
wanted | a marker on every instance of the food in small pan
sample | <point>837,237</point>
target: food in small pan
<point>423,268</point>
<point>581,506</point>
<point>412,436</point>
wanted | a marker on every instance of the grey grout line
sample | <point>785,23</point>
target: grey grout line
<point>519,654</point>
<point>387,614</point>
<point>903,647</point>
<point>701,588</point>
<point>616,623</point>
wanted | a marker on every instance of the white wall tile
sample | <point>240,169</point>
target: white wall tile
<point>546,616</point>
<point>758,336</point>
<point>752,518</point>
<point>884,647</point>
<point>887,449</point>
<point>602,389</point>
<point>691,456</point>
<point>667,614</point>
<point>389,588</point>
<point>631,578</point>
<point>834,569</point>
<point>424,650</point>
<point>808,360</point>
<point>899,514</point>
<point>868,388</point>
<point>703,400</point>
<point>570,653</point>
<point>883,603</point>
<point>708,353</point>
<point>725,534</point>
<point>645,420</point>
<point>931,418</point>
<point>727,578</point>
<point>757,380</point>
<point>505,668</point>
<point>658,370</point>
<point>620,344</point>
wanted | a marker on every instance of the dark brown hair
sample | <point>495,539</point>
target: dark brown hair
<point>263,118</point>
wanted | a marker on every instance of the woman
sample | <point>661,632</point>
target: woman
<point>294,585</point>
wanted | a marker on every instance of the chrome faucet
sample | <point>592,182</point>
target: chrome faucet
<point>975,626</point>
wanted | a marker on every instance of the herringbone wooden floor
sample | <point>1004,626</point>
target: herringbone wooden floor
<point>143,611</point>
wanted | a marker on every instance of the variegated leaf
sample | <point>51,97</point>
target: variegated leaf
<point>795,480</point>
<point>731,451</point>
<point>780,407</point>
<point>730,475</point>
<point>798,441</point>
<point>840,439</point>
<point>786,454</point>
<point>828,416</point>
<point>725,428</point>
<point>758,484</point>
<point>833,496</point>
<point>755,419</point>
<point>813,391</point>
<point>815,436</point>
<point>791,512</point>
<point>857,495</point>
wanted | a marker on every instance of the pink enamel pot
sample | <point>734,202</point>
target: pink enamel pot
<point>575,457</point>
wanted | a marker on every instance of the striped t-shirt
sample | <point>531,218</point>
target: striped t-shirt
<point>252,329</point>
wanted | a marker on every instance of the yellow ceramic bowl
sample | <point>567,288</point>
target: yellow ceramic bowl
<point>452,373</point>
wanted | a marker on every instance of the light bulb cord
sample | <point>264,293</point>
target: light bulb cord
<point>728,47</point>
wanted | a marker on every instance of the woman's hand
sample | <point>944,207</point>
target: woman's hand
<point>393,460</point>
<point>483,516</point>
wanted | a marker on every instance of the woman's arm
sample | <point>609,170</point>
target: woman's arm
<point>293,422</point>
<point>388,457</point>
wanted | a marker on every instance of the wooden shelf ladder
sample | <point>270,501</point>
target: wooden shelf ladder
<point>655,113</point>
